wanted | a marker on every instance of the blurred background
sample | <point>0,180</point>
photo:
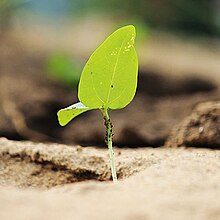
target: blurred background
<point>44,45</point>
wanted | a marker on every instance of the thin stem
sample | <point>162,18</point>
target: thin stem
<point>108,126</point>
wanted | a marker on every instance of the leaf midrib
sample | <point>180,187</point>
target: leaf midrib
<point>113,75</point>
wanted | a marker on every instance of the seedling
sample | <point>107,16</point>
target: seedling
<point>108,82</point>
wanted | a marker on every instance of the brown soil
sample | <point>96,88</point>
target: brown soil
<point>25,164</point>
<point>200,129</point>
<point>172,183</point>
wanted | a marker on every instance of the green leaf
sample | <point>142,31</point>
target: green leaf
<point>67,114</point>
<point>109,78</point>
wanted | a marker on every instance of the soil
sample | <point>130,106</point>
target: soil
<point>48,165</point>
<point>161,183</point>
<point>201,128</point>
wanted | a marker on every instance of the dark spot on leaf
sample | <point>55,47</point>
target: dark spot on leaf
<point>112,86</point>
<point>91,73</point>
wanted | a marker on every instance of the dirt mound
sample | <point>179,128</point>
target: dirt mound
<point>27,164</point>
<point>200,129</point>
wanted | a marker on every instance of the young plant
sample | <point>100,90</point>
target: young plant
<point>108,82</point>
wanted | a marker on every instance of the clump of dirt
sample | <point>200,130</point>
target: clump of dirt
<point>26,164</point>
<point>200,129</point>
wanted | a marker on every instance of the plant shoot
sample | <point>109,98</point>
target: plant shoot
<point>108,82</point>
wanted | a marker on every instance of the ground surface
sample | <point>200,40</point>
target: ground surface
<point>167,183</point>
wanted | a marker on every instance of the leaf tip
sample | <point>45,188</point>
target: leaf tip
<point>60,119</point>
<point>130,27</point>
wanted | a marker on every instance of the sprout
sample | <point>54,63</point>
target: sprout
<point>108,82</point>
